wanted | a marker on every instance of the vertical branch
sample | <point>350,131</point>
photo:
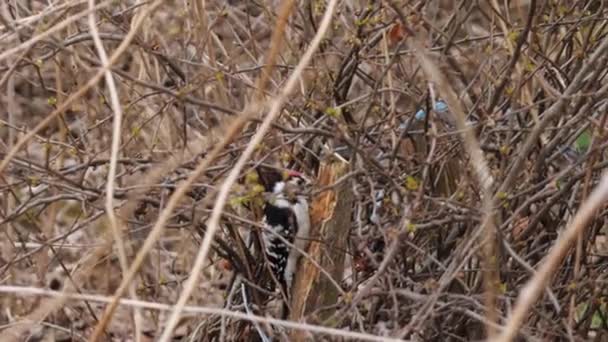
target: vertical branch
<point>330,221</point>
<point>115,225</point>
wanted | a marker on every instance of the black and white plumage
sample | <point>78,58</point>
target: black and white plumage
<point>286,215</point>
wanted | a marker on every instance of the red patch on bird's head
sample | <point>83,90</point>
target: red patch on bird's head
<point>292,173</point>
<point>287,174</point>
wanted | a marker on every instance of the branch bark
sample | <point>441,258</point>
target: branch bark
<point>330,219</point>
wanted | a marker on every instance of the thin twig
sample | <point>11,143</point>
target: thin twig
<point>116,132</point>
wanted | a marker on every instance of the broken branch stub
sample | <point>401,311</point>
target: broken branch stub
<point>331,218</point>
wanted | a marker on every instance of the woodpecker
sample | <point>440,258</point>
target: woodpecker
<point>285,214</point>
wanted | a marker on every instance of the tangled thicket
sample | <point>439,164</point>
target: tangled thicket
<point>445,229</point>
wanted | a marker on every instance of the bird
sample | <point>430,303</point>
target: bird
<point>286,222</point>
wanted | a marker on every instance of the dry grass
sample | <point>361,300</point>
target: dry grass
<point>130,131</point>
